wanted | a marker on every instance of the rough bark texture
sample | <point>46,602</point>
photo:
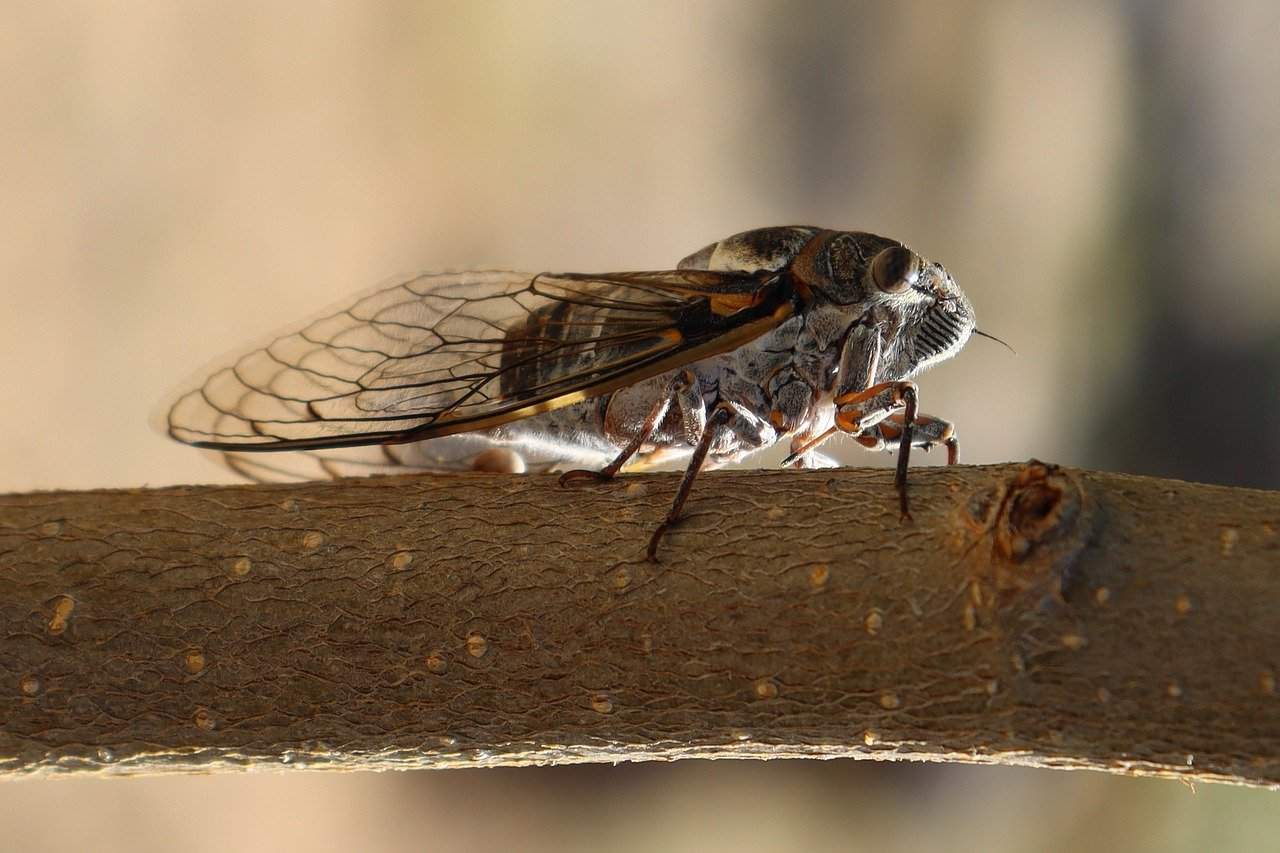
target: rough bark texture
<point>1027,615</point>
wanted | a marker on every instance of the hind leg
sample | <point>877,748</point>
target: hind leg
<point>683,392</point>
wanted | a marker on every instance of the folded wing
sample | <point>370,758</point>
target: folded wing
<point>446,353</point>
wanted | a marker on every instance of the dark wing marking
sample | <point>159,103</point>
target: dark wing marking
<point>453,352</point>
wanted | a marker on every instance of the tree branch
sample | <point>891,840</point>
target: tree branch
<point>1028,615</point>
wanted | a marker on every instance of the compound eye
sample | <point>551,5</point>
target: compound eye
<point>895,269</point>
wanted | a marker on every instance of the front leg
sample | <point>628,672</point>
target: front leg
<point>858,410</point>
<point>929,430</point>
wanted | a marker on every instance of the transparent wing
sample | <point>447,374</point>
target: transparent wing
<point>446,353</point>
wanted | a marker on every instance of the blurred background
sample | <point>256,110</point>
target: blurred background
<point>1103,180</point>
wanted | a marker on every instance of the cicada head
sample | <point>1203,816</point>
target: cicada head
<point>934,318</point>
<point>923,315</point>
<point>858,277</point>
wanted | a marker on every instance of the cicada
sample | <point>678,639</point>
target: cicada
<point>777,334</point>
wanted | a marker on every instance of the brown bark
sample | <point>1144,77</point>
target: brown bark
<point>1028,615</point>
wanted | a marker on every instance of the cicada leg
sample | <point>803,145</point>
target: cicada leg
<point>928,431</point>
<point>680,391</point>
<point>858,410</point>
<point>804,451</point>
<point>715,423</point>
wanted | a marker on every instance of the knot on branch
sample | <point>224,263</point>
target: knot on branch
<point>1037,522</point>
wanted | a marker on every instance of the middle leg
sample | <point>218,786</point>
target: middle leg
<point>715,425</point>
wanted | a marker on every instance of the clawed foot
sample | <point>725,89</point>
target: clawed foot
<point>582,475</point>
<point>651,553</point>
<point>904,505</point>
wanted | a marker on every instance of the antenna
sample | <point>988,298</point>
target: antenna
<point>997,340</point>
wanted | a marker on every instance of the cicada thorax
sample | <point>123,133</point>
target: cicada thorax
<point>767,378</point>
<point>751,251</point>
<point>827,271</point>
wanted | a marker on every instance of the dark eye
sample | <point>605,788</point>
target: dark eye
<point>895,269</point>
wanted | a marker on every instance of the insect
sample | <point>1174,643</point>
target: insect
<point>786,333</point>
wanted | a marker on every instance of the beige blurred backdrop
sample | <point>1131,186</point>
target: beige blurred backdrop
<point>178,178</point>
